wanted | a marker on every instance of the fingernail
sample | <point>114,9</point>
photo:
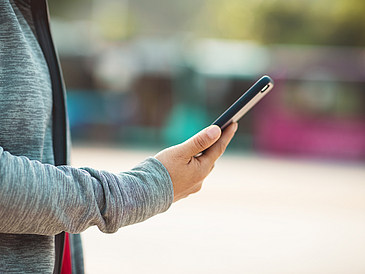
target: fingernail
<point>213,132</point>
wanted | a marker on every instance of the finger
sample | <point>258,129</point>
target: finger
<point>216,150</point>
<point>201,141</point>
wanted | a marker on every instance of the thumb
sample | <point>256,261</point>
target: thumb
<point>201,141</point>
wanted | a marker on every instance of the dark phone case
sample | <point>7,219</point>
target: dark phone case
<point>242,101</point>
<point>248,97</point>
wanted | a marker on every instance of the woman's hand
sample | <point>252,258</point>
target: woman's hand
<point>188,172</point>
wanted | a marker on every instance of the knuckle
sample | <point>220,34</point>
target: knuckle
<point>221,148</point>
<point>200,142</point>
<point>197,187</point>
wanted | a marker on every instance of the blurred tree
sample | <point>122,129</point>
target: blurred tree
<point>349,23</point>
<point>70,9</point>
<point>112,19</point>
<point>325,22</point>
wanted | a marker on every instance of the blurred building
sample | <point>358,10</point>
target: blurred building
<point>319,106</point>
<point>160,91</point>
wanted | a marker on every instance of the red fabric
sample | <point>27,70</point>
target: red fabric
<point>66,262</point>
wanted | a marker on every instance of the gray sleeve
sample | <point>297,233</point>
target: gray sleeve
<point>37,198</point>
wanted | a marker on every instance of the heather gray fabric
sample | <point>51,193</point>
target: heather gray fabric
<point>37,199</point>
<point>77,257</point>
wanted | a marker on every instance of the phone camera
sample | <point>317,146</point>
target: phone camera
<point>265,88</point>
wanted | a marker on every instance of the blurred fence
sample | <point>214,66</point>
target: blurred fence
<point>160,91</point>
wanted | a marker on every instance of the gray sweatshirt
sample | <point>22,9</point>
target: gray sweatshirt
<point>38,199</point>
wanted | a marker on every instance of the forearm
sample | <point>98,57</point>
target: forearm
<point>44,199</point>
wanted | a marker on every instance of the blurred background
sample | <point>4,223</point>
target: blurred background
<point>156,72</point>
<point>146,74</point>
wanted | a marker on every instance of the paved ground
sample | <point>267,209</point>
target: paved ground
<point>254,215</point>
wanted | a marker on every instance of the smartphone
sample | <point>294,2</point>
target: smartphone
<point>243,104</point>
<point>250,98</point>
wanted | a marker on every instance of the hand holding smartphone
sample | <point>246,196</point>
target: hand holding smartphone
<point>243,104</point>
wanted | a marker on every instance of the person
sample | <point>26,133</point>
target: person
<point>44,202</point>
